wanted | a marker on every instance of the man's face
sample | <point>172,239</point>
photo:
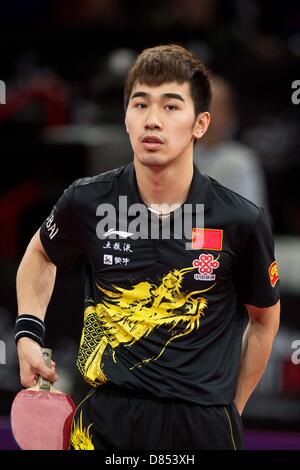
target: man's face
<point>161,123</point>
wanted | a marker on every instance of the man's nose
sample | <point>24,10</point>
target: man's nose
<point>153,120</point>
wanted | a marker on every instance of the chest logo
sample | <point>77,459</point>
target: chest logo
<point>117,232</point>
<point>206,265</point>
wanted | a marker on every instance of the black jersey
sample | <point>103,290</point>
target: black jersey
<point>162,315</point>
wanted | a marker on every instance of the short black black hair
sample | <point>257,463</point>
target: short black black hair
<point>171,63</point>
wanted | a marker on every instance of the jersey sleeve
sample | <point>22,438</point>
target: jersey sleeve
<point>257,275</point>
<point>60,232</point>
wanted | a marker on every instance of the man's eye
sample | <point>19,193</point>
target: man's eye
<point>171,107</point>
<point>140,105</point>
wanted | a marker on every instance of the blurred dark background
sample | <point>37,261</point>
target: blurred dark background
<point>64,63</point>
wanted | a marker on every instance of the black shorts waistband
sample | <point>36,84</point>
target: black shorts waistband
<point>117,390</point>
<point>121,391</point>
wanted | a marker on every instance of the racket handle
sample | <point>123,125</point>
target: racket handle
<point>44,384</point>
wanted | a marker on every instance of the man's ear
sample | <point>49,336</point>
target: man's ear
<point>125,121</point>
<point>201,125</point>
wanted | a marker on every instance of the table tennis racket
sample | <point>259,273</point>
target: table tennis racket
<point>41,416</point>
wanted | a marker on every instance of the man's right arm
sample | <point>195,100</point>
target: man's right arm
<point>35,283</point>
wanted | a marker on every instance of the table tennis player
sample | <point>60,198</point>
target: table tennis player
<point>178,327</point>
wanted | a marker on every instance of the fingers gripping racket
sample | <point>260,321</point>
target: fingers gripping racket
<point>41,416</point>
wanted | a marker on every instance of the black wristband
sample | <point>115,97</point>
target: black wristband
<point>29,326</point>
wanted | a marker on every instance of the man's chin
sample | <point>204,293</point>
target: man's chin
<point>152,161</point>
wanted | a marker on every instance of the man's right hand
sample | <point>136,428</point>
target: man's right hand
<point>32,363</point>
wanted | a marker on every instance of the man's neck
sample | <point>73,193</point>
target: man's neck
<point>164,185</point>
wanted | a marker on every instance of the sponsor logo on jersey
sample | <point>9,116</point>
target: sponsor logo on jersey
<point>107,259</point>
<point>51,226</point>
<point>121,233</point>
<point>273,273</point>
<point>207,239</point>
<point>206,264</point>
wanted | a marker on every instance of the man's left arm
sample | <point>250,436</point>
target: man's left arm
<point>256,349</point>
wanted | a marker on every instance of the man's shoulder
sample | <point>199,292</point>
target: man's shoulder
<point>85,190</point>
<point>234,204</point>
<point>102,178</point>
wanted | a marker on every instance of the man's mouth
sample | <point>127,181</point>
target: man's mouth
<point>152,142</point>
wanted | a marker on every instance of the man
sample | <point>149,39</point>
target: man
<point>164,315</point>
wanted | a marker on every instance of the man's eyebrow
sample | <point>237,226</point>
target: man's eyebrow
<point>176,96</point>
<point>138,94</point>
<point>143,94</point>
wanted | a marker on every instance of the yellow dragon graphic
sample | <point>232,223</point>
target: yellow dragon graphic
<point>80,436</point>
<point>126,315</point>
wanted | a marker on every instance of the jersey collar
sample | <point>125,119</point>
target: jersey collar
<point>200,190</point>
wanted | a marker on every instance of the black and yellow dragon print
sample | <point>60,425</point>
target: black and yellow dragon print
<point>125,316</point>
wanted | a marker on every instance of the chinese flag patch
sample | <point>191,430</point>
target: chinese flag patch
<point>273,273</point>
<point>207,239</point>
